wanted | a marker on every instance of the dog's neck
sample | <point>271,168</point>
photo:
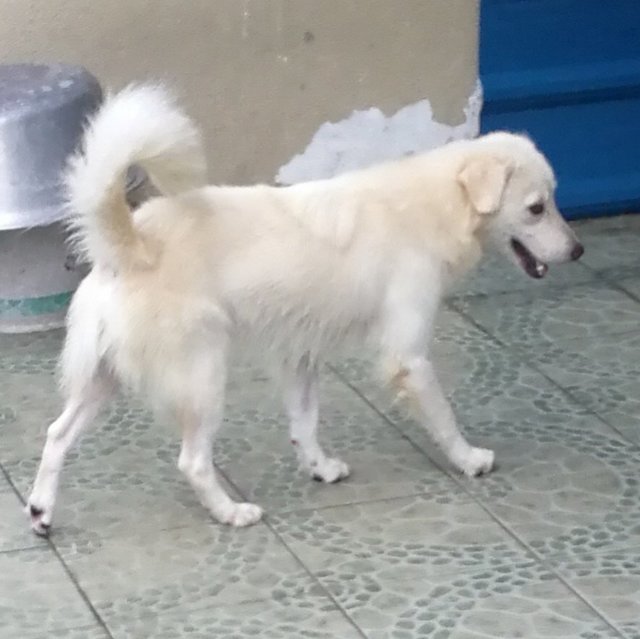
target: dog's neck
<point>468,255</point>
<point>469,249</point>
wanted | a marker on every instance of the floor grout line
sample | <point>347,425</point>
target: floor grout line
<point>52,547</point>
<point>317,581</point>
<point>622,289</point>
<point>452,306</point>
<point>299,561</point>
<point>565,391</point>
<point>541,559</point>
<point>545,563</point>
<point>587,602</point>
<point>591,411</point>
<point>535,555</point>
<point>363,502</point>
<point>592,277</point>
<point>14,551</point>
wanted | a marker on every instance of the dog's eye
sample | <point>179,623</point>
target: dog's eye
<point>537,208</point>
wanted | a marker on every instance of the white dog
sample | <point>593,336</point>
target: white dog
<point>296,270</point>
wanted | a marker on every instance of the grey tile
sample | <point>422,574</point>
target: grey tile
<point>35,353</point>
<point>563,489</point>
<point>28,404</point>
<point>255,453</point>
<point>108,491</point>
<point>610,582</point>
<point>36,594</point>
<point>511,600</point>
<point>14,532</point>
<point>123,473</point>
<point>150,573</point>
<point>535,322</point>
<point>497,274</point>
<point>382,466</point>
<point>594,631</point>
<point>85,632</point>
<point>603,374</point>
<point>484,380</point>
<point>606,224</point>
<point>564,479</point>
<point>31,401</point>
<point>295,611</point>
<point>610,242</point>
<point>423,535</point>
<point>629,284</point>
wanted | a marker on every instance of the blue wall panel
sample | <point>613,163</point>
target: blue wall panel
<point>568,73</point>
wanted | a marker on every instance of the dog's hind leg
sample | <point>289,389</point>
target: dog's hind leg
<point>301,402</point>
<point>201,416</point>
<point>79,412</point>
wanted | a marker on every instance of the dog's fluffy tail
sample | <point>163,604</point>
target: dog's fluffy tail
<point>140,125</point>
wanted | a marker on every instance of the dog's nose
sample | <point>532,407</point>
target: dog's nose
<point>577,251</point>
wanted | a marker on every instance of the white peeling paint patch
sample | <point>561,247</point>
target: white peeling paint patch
<point>370,136</point>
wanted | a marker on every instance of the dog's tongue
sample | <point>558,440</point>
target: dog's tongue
<point>530,264</point>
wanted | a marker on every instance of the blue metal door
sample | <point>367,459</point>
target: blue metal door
<point>568,73</point>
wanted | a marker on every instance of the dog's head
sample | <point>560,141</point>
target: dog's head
<point>510,184</point>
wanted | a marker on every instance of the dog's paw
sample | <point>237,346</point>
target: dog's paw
<point>479,461</point>
<point>330,471</point>
<point>39,518</point>
<point>240,515</point>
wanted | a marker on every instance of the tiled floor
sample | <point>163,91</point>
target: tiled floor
<point>547,546</point>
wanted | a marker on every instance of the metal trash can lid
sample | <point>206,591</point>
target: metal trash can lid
<point>43,109</point>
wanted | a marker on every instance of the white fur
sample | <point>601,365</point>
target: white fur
<point>295,270</point>
<point>157,133</point>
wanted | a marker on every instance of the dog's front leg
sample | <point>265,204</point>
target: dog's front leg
<point>407,325</point>
<point>416,380</point>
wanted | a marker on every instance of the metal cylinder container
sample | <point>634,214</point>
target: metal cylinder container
<point>43,109</point>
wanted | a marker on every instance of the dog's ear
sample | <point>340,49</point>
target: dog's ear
<point>484,179</point>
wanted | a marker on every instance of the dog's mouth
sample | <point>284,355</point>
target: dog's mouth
<point>530,264</point>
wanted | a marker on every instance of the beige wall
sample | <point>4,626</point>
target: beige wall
<point>261,75</point>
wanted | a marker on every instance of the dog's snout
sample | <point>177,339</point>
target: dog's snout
<point>577,251</point>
